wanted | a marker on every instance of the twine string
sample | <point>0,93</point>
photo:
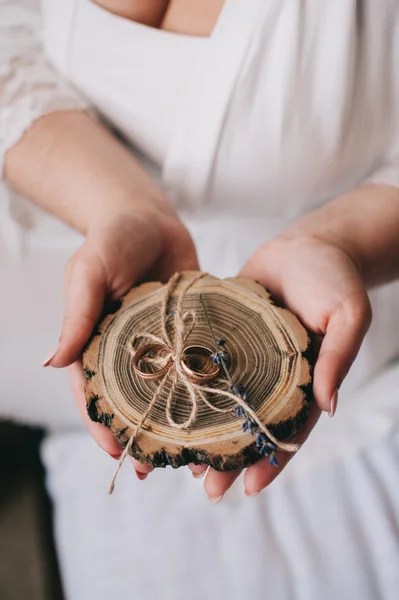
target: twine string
<point>184,324</point>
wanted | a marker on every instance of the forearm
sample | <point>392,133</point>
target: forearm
<point>75,168</point>
<point>365,224</point>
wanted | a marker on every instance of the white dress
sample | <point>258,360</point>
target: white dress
<point>288,104</point>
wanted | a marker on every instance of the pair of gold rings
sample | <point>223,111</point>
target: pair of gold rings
<point>193,357</point>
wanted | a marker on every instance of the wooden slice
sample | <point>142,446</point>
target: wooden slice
<point>267,353</point>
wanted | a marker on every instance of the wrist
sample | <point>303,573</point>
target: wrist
<point>280,253</point>
<point>124,206</point>
<point>363,223</point>
<point>159,230</point>
<point>321,227</point>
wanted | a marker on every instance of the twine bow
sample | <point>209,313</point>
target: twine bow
<point>183,327</point>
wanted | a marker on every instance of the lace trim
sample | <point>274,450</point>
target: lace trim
<point>29,86</point>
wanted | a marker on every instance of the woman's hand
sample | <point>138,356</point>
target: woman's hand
<point>72,166</point>
<point>322,284</point>
<point>125,250</point>
<point>320,268</point>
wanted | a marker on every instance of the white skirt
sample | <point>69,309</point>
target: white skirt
<point>331,533</point>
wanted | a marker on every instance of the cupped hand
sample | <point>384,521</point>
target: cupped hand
<point>127,249</point>
<point>322,284</point>
<point>315,278</point>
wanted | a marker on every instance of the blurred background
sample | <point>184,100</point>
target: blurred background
<point>28,566</point>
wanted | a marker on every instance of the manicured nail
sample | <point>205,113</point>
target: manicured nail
<point>251,494</point>
<point>197,471</point>
<point>333,404</point>
<point>141,476</point>
<point>214,499</point>
<point>51,355</point>
<point>198,475</point>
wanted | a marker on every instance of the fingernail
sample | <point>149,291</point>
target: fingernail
<point>196,468</point>
<point>51,355</point>
<point>214,499</point>
<point>333,404</point>
<point>198,475</point>
<point>141,476</point>
<point>251,494</point>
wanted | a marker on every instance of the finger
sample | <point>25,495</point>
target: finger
<point>345,332</point>
<point>101,434</point>
<point>316,341</point>
<point>218,482</point>
<point>85,290</point>
<point>142,469</point>
<point>198,471</point>
<point>262,473</point>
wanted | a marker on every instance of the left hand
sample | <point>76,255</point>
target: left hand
<point>322,284</point>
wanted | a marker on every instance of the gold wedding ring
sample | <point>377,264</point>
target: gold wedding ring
<point>211,370</point>
<point>142,353</point>
<point>207,370</point>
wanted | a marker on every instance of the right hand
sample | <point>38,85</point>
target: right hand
<point>71,165</point>
<point>147,244</point>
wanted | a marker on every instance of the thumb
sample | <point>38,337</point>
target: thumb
<point>85,290</point>
<point>345,332</point>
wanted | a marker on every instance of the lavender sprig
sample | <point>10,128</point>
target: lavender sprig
<point>264,445</point>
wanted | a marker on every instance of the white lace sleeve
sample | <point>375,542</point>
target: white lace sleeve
<point>29,85</point>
